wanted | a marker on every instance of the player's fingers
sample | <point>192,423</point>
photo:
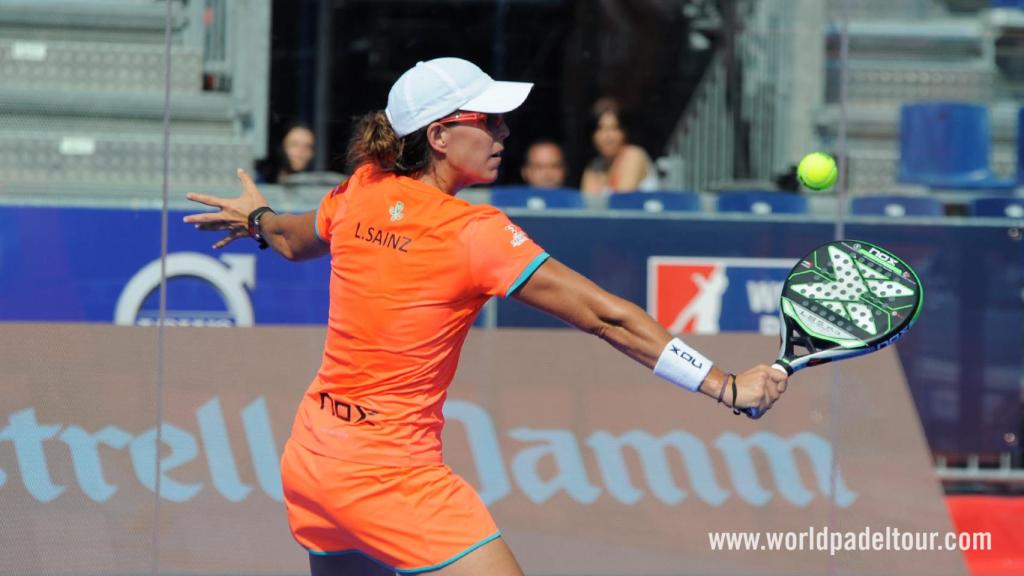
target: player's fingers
<point>224,242</point>
<point>776,375</point>
<point>205,199</point>
<point>228,239</point>
<point>204,218</point>
<point>213,227</point>
<point>247,184</point>
<point>779,380</point>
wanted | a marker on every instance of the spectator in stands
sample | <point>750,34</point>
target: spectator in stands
<point>545,165</point>
<point>293,155</point>
<point>619,166</point>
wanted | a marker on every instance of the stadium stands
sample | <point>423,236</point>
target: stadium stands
<point>896,206</point>
<point>98,66</point>
<point>535,198</point>
<point>999,207</point>
<point>766,202</point>
<point>946,145</point>
<point>656,201</point>
<point>83,97</point>
<point>910,51</point>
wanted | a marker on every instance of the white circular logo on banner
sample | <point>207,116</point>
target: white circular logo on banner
<point>230,276</point>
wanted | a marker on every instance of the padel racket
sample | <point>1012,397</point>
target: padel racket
<point>844,299</point>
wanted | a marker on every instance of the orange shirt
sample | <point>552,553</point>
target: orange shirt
<point>411,267</point>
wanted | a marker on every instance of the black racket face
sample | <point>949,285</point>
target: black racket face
<point>851,294</point>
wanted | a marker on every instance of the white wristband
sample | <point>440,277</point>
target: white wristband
<point>682,365</point>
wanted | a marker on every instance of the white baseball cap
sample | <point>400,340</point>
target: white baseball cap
<point>434,89</point>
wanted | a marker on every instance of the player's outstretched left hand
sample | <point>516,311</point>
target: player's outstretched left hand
<point>234,212</point>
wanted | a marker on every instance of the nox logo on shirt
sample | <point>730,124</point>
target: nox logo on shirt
<point>381,237</point>
<point>349,412</point>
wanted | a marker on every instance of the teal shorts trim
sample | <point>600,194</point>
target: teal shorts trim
<point>447,562</point>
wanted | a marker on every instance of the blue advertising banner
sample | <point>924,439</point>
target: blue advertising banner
<point>92,265</point>
<point>712,295</point>
<point>963,359</point>
<point>694,273</point>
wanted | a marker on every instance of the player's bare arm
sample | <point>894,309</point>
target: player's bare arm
<point>593,182</point>
<point>566,294</point>
<point>631,168</point>
<point>291,235</point>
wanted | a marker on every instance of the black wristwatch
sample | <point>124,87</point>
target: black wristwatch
<point>254,225</point>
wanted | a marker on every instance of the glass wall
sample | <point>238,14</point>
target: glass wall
<point>150,378</point>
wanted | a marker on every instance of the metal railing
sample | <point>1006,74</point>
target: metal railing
<point>234,36</point>
<point>1005,470</point>
<point>704,146</point>
<point>701,148</point>
<point>766,82</point>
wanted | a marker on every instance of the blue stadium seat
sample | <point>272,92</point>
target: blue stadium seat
<point>896,206</point>
<point>1007,4</point>
<point>997,207</point>
<point>762,202</point>
<point>535,198</point>
<point>656,201</point>
<point>946,145</point>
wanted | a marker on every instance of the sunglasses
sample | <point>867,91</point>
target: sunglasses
<point>493,122</point>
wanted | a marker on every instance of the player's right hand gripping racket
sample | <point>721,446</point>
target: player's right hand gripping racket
<point>842,300</point>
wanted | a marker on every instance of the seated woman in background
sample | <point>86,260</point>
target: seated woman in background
<point>293,155</point>
<point>619,166</point>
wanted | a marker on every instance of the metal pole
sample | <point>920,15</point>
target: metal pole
<point>322,97</point>
<point>841,144</point>
<point>844,54</point>
<point>734,89</point>
<point>160,329</point>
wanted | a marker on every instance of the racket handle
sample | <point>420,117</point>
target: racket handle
<point>755,412</point>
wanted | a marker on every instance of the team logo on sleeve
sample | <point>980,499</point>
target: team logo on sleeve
<point>518,236</point>
<point>397,211</point>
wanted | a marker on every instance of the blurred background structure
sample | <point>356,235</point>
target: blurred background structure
<point>922,101</point>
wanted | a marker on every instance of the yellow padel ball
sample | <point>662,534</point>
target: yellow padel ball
<point>817,171</point>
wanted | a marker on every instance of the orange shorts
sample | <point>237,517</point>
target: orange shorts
<point>408,519</point>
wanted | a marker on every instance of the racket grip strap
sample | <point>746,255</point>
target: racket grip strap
<point>682,365</point>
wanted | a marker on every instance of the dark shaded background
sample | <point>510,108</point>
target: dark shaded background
<point>575,51</point>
